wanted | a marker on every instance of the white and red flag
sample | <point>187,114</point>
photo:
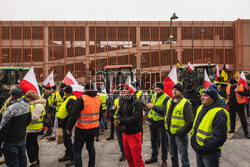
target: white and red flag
<point>103,78</point>
<point>78,90</point>
<point>170,81</point>
<point>103,88</point>
<point>217,73</point>
<point>207,81</point>
<point>133,80</point>
<point>111,83</point>
<point>69,79</point>
<point>243,81</point>
<point>29,82</point>
<point>129,86</point>
<point>190,67</point>
<point>49,81</point>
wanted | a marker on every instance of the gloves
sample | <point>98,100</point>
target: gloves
<point>117,124</point>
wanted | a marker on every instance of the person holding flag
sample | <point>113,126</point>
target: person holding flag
<point>236,100</point>
<point>156,123</point>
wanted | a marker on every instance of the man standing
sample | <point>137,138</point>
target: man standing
<point>209,130</point>
<point>156,123</point>
<point>85,115</point>
<point>129,120</point>
<point>178,122</point>
<point>63,115</point>
<point>237,100</point>
<point>13,125</point>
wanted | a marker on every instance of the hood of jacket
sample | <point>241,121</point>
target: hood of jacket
<point>38,101</point>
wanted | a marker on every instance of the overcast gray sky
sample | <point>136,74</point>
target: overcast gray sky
<point>125,10</point>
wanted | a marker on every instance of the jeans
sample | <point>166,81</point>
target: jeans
<point>103,122</point>
<point>32,146</point>
<point>14,154</point>
<point>179,144</point>
<point>156,132</point>
<point>81,137</point>
<point>68,143</point>
<point>119,138</point>
<point>208,160</point>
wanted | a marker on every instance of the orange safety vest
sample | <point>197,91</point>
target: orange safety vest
<point>240,99</point>
<point>89,116</point>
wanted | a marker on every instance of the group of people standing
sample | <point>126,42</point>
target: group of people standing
<point>170,120</point>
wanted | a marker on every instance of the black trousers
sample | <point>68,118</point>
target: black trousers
<point>32,146</point>
<point>240,110</point>
<point>156,132</point>
<point>112,126</point>
<point>67,141</point>
<point>81,137</point>
<point>119,138</point>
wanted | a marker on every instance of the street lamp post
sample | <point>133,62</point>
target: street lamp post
<point>202,31</point>
<point>174,17</point>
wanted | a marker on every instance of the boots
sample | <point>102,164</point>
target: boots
<point>34,164</point>
<point>64,158</point>
<point>164,163</point>
<point>151,160</point>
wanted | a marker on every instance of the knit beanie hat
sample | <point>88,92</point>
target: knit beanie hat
<point>214,86</point>
<point>210,91</point>
<point>63,85</point>
<point>68,89</point>
<point>179,87</point>
<point>159,85</point>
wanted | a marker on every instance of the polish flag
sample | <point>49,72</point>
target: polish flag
<point>129,86</point>
<point>207,81</point>
<point>49,81</point>
<point>217,73</point>
<point>69,79</point>
<point>103,78</point>
<point>243,81</point>
<point>190,67</point>
<point>29,82</point>
<point>111,84</point>
<point>78,90</point>
<point>133,78</point>
<point>170,81</point>
<point>103,88</point>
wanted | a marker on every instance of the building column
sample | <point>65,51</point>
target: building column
<point>46,50</point>
<point>87,61</point>
<point>179,43</point>
<point>138,55</point>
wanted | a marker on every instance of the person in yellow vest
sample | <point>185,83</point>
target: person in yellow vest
<point>209,131</point>
<point>178,122</point>
<point>58,100</point>
<point>43,91</point>
<point>63,115</point>
<point>37,106</point>
<point>156,123</point>
<point>85,116</point>
<point>236,102</point>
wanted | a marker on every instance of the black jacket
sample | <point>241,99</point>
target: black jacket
<point>188,117</point>
<point>232,97</point>
<point>110,103</point>
<point>130,115</point>
<point>219,130</point>
<point>14,122</point>
<point>194,97</point>
<point>78,107</point>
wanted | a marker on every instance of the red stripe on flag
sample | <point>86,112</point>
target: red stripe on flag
<point>26,86</point>
<point>206,84</point>
<point>168,86</point>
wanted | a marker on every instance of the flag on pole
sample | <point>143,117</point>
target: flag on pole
<point>111,83</point>
<point>207,81</point>
<point>49,81</point>
<point>224,73</point>
<point>243,81</point>
<point>78,90</point>
<point>69,79</point>
<point>103,88</point>
<point>129,86</point>
<point>170,81</point>
<point>217,73</point>
<point>178,63</point>
<point>29,82</point>
<point>190,67</point>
